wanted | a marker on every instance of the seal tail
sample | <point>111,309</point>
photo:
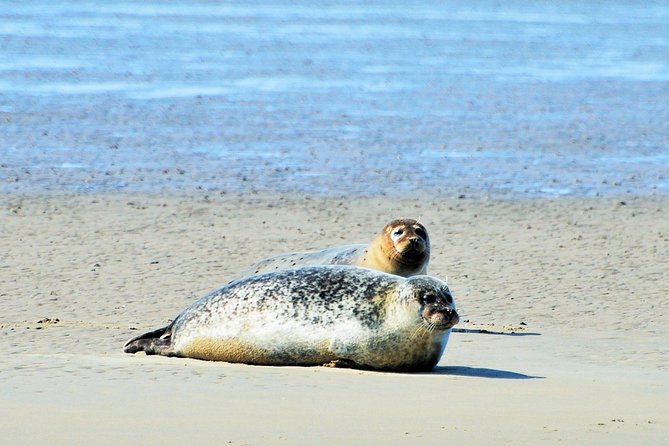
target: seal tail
<point>156,342</point>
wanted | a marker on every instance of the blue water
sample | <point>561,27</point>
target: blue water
<point>475,98</point>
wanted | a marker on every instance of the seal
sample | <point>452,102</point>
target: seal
<point>402,248</point>
<point>337,315</point>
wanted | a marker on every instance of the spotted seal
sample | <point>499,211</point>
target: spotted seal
<point>335,315</point>
<point>402,248</point>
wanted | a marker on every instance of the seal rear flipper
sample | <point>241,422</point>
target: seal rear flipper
<point>156,342</point>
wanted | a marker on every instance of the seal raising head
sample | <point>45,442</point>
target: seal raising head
<point>322,315</point>
<point>402,248</point>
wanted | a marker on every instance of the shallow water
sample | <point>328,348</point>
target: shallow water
<point>507,100</point>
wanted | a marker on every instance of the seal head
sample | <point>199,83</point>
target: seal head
<point>402,248</point>
<point>436,304</point>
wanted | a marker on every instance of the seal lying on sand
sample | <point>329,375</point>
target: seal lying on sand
<point>320,315</point>
<point>402,248</point>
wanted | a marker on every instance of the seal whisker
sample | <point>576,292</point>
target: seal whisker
<point>429,327</point>
<point>417,332</point>
<point>421,330</point>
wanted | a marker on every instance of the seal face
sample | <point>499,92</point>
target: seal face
<point>337,315</point>
<point>402,248</point>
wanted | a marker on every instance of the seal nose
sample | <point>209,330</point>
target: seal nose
<point>453,316</point>
<point>416,244</point>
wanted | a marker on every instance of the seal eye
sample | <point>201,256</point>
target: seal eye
<point>429,299</point>
<point>398,232</point>
<point>420,232</point>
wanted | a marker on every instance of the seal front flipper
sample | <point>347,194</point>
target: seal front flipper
<point>346,364</point>
<point>156,342</point>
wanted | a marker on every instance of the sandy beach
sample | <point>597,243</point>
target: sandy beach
<point>563,339</point>
<point>151,151</point>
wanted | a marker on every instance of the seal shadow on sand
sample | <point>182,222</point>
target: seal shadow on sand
<point>481,372</point>
<point>491,332</point>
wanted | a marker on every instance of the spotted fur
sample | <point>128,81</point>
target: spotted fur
<point>342,315</point>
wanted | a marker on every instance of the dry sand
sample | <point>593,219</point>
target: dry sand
<point>564,340</point>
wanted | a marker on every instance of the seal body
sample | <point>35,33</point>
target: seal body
<point>402,248</point>
<point>322,315</point>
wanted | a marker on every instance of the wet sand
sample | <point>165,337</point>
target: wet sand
<point>487,99</point>
<point>563,337</point>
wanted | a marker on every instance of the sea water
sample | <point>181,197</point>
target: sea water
<point>456,98</point>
